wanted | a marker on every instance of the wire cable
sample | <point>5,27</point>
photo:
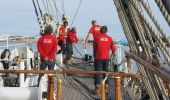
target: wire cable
<point>76,13</point>
<point>62,4</point>
<point>39,8</point>
<point>44,5</point>
<point>36,12</point>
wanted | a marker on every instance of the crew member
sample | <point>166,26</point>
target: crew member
<point>62,37</point>
<point>94,31</point>
<point>102,46</point>
<point>47,47</point>
<point>71,38</point>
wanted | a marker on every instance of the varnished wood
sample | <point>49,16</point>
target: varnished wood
<point>50,88</point>
<point>72,72</point>
<point>59,89</point>
<point>118,95</point>
<point>103,95</point>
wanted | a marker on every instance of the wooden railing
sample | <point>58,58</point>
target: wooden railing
<point>159,72</point>
<point>116,76</point>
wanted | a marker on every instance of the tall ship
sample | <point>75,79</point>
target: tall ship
<point>140,69</point>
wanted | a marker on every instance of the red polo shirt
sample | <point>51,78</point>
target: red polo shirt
<point>62,34</point>
<point>47,46</point>
<point>102,46</point>
<point>95,30</point>
<point>72,37</point>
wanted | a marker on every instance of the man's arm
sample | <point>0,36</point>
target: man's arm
<point>55,45</point>
<point>40,50</point>
<point>87,37</point>
<point>113,47</point>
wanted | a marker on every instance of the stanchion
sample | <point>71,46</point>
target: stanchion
<point>118,95</point>
<point>103,94</point>
<point>50,88</point>
<point>59,90</point>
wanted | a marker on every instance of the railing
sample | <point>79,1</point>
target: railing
<point>7,38</point>
<point>116,76</point>
<point>159,72</point>
<point>162,74</point>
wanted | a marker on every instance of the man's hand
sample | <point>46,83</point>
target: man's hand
<point>46,59</point>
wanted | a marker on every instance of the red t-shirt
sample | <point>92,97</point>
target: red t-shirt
<point>95,30</point>
<point>47,46</point>
<point>102,46</point>
<point>62,34</point>
<point>72,37</point>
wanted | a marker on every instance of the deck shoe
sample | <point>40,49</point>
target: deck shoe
<point>68,62</point>
<point>71,61</point>
<point>97,90</point>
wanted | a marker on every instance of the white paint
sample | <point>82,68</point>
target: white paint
<point>21,76</point>
<point>119,56</point>
<point>1,82</point>
<point>59,59</point>
<point>43,87</point>
<point>18,93</point>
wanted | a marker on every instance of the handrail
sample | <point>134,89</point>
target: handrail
<point>71,72</point>
<point>159,72</point>
<point>117,77</point>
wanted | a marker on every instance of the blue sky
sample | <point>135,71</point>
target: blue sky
<point>18,16</point>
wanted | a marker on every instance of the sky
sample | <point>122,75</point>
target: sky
<point>18,17</point>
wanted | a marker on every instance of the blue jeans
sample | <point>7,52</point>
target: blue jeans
<point>43,66</point>
<point>100,65</point>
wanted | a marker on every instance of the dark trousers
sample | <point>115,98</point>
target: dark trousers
<point>69,50</point>
<point>100,65</point>
<point>63,47</point>
<point>43,66</point>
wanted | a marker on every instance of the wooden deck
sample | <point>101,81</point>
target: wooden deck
<point>79,87</point>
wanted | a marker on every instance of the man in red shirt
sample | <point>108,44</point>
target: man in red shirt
<point>71,38</point>
<point>47,47</point>
<point>94,30</point>
<point>102,46</point>
<point>62,37</point>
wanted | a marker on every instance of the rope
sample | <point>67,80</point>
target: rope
<point>78,51</point>
<point>44,6</point>
<point>126,26</point>
<point>76,13</point>
<point>74,84</point>
<point>36,12</point>
<point>78,88</point>
<point>47,6</point>
<point>57,10</point>
<point>50,7</point>
<point>160,29</point>
<point>62,4</point>
<point>123,15</point>
<point>163,10</point>
<point>161,44</point>
<point>39,7</point>
<point>140,32</point>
